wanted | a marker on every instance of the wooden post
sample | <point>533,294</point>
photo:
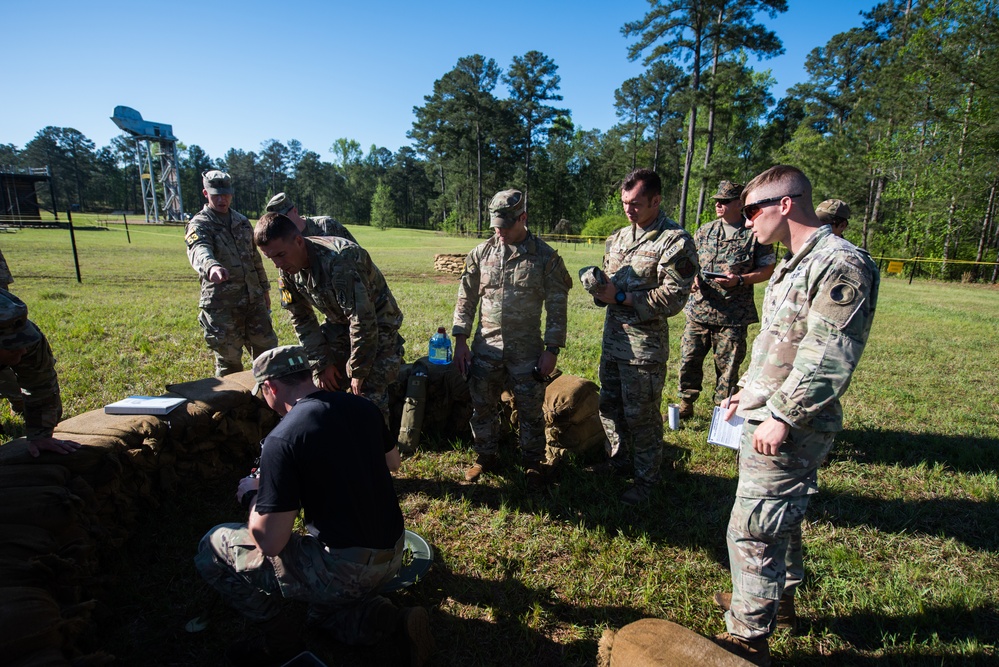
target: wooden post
<point>124,217</point>
<point>72,239</point>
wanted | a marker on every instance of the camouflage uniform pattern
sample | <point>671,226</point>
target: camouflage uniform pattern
<point>324,225</point>
<point>361,333</point>
<point>817,316</point>
<point>657,266</point>
<point>233,313</point>
<point>36,387</point>
<point>341,589</point>
<point>718,317</point>
<point>508,285</point>
<point>5,276</point>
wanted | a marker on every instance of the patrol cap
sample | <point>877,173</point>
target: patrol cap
<point>728,190</point>
<point>279,362</point>
<point>216,182</point>
<point>505,208</point>
<point>593,279</point>
<point>832,208</point>
<point>280,203</point>
<point>16,331</point>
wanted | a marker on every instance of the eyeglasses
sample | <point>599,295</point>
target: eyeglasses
<point>750,210</point>
<point>723,202</point>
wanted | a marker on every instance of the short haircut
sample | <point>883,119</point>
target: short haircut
<point>780,180</point>
<point>274,226</point>
<point>652,185</point>
<point>294,379</point>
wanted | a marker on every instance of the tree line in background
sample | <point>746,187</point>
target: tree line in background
<point>897,118</point>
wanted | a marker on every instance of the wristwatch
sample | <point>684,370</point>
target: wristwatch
<point>742,281</point>
<point>552,350</point>
<point>780,419</point>
<point>620,297</point>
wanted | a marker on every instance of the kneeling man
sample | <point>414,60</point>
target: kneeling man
<point>330,456</point>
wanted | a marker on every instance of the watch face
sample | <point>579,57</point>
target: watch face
<point>620,297</point>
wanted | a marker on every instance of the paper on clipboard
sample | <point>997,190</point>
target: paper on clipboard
<point>725,433</point>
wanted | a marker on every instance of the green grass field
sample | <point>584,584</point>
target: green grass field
<point>902,544</point>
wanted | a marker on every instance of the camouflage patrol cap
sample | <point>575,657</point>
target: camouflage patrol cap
<point>593,279</point>
<point>505,208</point>
<point>279,362</point>
<point>216,182</point>
<point>832,208</point>
<point>280,203</point>
<point>16,331</point>
<point>728,190</point>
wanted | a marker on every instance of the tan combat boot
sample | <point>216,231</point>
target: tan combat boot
<point>686,409</point>
<point>483,463</point>
<point>756,651</point>
<point>787,619</point>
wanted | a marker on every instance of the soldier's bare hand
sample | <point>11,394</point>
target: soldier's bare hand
<point>607,293</point>
<point>218,274</point>
<point>38,445</point>
<point>730,405</point>
<point>355,386</point>
<point>546,363</point>
<point>462,355</point>
<point>769,436</point>
<point>729,281</point>
<point>329,378</point>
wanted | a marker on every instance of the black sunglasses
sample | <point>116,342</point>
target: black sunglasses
<point>750,210</point>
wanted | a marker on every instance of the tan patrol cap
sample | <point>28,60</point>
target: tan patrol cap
<point>279,362</point>
<point>217,182</point>
<point>832,208</point>
<point>280,203</point>
<point>505,208</point>
<point>16,331</point>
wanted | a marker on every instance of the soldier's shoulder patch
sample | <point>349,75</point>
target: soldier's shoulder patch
<point>840,298</point>
<point>191,238</point>
<point>686,268</point>
<point>286,297</point>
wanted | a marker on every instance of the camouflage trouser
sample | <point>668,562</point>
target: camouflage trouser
<point>382,373</point>
<point>11,390</point>
<point>229,330</point>
<point>630,399</point>
<point>729,344</point>
<point>764,539</point>
<point>341,592</point>
<point>486,381</point>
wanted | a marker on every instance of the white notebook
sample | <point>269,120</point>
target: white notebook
<point>144,405</point>
<point>725,433</point>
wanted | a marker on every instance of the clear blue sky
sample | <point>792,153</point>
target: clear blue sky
<point>235,74</point>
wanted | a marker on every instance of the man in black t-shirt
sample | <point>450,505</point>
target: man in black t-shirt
<point>330,457</point>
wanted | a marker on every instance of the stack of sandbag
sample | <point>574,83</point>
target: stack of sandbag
<point>446,263</point>
<point>48,561</point>
<point>654,642</point>
<point>429,399</point>
<point>572,418</point>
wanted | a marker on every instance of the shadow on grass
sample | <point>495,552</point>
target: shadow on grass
<point>686,510</point>
<point>959,453</point>
<point>968,521</point>
<point>870,631</point>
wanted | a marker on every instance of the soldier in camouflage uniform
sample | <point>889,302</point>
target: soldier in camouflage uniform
<point>508,278</point>
<point>360,338</point>
<point>235,301</point>
<point>835,213</point>
<point>319,226</point>
<point>720,309</point>
<point>25,352</point>
<point>817,315</point>
<point>6,279</point>
<point>330,456</point>
<point>651,266</point>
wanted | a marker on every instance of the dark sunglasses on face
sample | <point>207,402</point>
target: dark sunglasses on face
<point>750,210</point>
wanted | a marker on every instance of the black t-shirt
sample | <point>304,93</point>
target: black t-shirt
<point>328,456</point>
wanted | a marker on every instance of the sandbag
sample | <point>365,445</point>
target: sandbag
<point>131,430</point>
<point>653,642</point>
<point>570,399</point>
<point>51,507</point>
<point>580,439</point>
<point>222,394</point>
<point>38,474</point>
<point>31,621</point>
<point>45,657</point>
